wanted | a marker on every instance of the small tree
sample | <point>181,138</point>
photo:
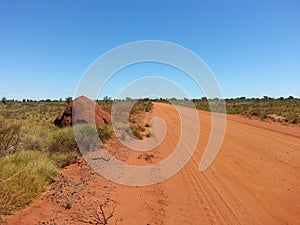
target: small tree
<point>69,99</point>
<point>106,99</point>
<point>3,100</point>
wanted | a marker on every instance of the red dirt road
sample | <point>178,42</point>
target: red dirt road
<point>255,179</point>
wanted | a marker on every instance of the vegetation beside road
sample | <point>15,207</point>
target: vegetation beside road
<point>284,110</point>
<point>32,148</point>
<point>28,163</point>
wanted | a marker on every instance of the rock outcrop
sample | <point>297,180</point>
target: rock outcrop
<point>82,110</point>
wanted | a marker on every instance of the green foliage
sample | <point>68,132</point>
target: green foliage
<point>23,176</point>
<point>63,159</point>
<point>140,104</point>
<point>61,140</point>
<point>136,131</point>
<point>87,135</point>
<point>292,118</point>
<point>69,100</point>
<point>105,132</point>
<point>143,105</point>
<point>34,134</point>
<point>3,100</point>
<point>106,105</point>
<point>251,107</point>
<point>106,99</point>
<point>261,108</point>
<point>9,136</point>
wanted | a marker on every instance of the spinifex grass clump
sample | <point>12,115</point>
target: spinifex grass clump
<point>23,176</point>
<point>9,136</point>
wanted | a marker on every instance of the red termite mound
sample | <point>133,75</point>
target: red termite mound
<point>82,110</point>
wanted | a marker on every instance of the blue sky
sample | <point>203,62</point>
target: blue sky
<point>253,47</point>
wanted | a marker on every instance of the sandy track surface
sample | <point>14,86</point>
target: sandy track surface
<point>255,179</point>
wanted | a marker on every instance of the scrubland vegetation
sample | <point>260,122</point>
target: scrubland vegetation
<point>32,148</point>
<point>135,106</point>
<point>285,110</point>
<point>27,160</point>
<point>288,109</point>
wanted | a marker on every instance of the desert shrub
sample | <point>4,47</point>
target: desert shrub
<point>23,176</point>
<point>146,156</point>
<point>144,105</point>
<point>63,159</point>
<point>148,106</point>
<point>136,132</point>
<point>9,136</point>
<point>140,128</point>
<point>263,115</point>
<point>258,107</point>
<point>33,134</point>
<point>86,136</point>
<point>292,118</point>
<point>106,105</point>
<point>105,132</point>
<point>61,140</point>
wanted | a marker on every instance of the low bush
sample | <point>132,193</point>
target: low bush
<point>257,107</point>
<point>23,176</point>
<point>86,136</point>
<point>105,132</point>
<point>33,134</point>
<point>136,131</point>
<point>9,137</point>
<point>144,105</point>
<point>292,118</point>
<point>63,159</point>
<point>61,140</point>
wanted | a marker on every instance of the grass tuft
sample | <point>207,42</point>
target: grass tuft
<point>61,140</point>
<point>23,176</point>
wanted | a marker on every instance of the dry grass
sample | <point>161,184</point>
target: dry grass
<point>23,176</point>
<point>9,137</point>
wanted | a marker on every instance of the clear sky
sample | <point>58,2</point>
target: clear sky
<point>253,47</point>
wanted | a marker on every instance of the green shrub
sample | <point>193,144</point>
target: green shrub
<point>136,132</point>
<point>105,132</point>
<point>61,140</point>
<point>292,118</point>
<point>86,136</point>
<point>263,115</point>
<point>33,134</point>
<point>144,105</point>
<point>140,128</point>
<point>9,137</point>
<point>63,159</point>
<point>23,176</point>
